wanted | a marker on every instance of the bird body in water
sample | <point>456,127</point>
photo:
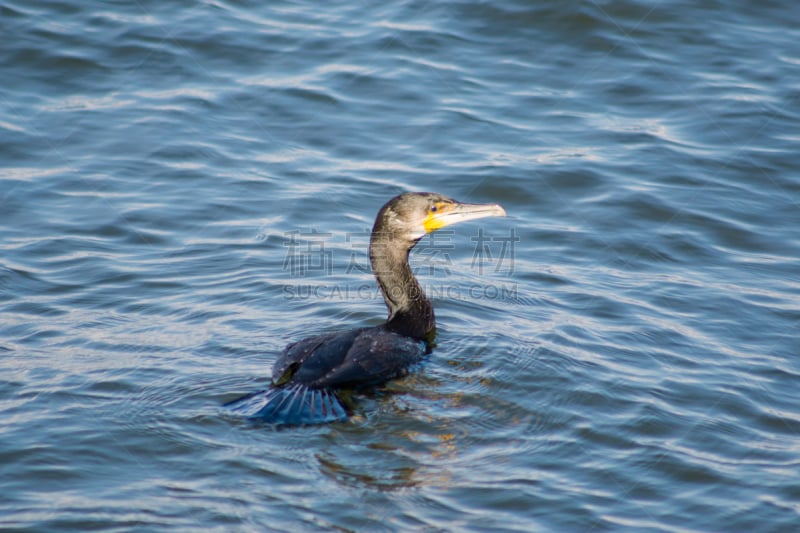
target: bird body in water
<point>309,375</point>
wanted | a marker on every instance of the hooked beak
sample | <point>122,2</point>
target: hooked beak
<point>455,213</point>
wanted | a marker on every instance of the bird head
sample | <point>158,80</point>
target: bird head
<point>412,215</point>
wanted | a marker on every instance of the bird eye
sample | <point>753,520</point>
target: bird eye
<point>434,208</point>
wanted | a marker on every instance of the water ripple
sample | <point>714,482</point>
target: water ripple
<point>630,363</point>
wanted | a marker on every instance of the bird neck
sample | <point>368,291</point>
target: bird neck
<point>410,311</point>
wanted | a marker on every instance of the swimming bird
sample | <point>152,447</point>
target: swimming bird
<point>310,376</point>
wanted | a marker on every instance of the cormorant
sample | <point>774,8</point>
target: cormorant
<point>309,375</point>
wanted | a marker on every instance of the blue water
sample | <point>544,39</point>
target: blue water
<point>187,187</point>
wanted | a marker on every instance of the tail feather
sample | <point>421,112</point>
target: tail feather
<point>293,405</point>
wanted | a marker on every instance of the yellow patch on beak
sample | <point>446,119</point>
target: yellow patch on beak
<point>434,219</point>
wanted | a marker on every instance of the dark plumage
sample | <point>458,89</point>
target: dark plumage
<point>308,374</point>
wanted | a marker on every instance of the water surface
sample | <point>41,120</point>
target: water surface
<point>186,188</point>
